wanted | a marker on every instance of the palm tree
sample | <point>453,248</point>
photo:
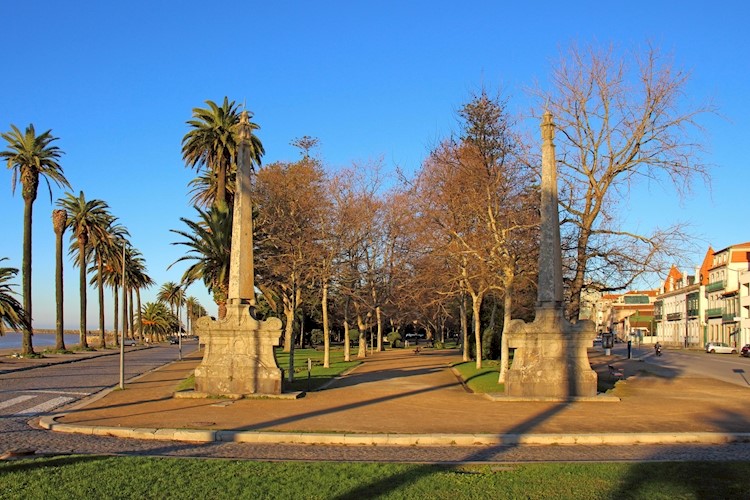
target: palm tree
<point>172,294</point>
<point>12,313</point>
<point>212,143</point>
<point>193,309</point>
<point>105,246</point>
<point>137,279</point>
<point>209,241</point>
<point>31,157</point>
<point>155,320</point>
<point>87,219</point>
<point>59,223</point>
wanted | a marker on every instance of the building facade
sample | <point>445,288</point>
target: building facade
<point>724,292</point>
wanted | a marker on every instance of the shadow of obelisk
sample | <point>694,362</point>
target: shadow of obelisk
<point>239,357</point>
<point>551,359</point>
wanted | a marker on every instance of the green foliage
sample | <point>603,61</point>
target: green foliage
<point>317,337</point>
<point>490,343</point>
<point>167,478</point>
<point>438,345</point>
<point>12,313</point>
<point>397,344</point>
<point>394,337</point>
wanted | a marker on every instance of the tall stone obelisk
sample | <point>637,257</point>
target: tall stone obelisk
<point>239,357</point>
<point>551,359</point>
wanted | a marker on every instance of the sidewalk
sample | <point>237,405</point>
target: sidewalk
<point>398,398</point>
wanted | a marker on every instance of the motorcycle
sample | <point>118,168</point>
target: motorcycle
<point>658,350</point>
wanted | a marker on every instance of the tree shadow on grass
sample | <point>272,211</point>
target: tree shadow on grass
<point>27,464</point>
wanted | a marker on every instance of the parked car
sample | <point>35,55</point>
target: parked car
<point>720,348</point>
<point>745,351</point>
<point>174,340</point>
<point>128,342</point>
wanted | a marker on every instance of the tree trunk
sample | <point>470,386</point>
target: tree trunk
<point>140,319</point>
<point>27,346</point>
<point>326,333</point>
<point>125,333</point>
<point>116,315</point>
<point>504,351</point>
<point>82,289</point>
<point>59,219</point>
<point>379,319</point>
<point>476,305</point>
<point>464,327</point>
<point>347,342</point>
<point>362,352</point>
<point>130,312</point>
<point>100,284</point>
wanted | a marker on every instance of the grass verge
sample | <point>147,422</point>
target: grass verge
<point>165,478</point>
<point>319,376</point>
<point>480,381</point>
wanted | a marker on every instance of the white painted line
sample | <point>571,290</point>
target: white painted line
<point>44,407</point>
<point>41,391</point>
<point>15,401</point>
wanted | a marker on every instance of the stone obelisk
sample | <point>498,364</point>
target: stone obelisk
<point>239,357</point>
<point>551,358</point>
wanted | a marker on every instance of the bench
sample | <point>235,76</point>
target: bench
<point>615,372</point>
<point>417,350</point>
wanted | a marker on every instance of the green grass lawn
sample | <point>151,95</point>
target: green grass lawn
<point>319,376</point>
<point>481,381</point>
<point>87,477</point>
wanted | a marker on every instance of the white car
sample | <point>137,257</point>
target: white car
<point>720,347</point>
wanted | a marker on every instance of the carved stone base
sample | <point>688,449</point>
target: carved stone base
<point>551,358</point>
<point>239,357</point>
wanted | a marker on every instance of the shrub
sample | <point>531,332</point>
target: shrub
<point>394,337</point>
<point>316,337</point>
<point>396,343</point>
<point>438,345</point>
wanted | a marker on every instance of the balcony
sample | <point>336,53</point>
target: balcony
<point>728,318</point>
<point>714,312</point>
<point>715,286</point>
<point>674,316</point>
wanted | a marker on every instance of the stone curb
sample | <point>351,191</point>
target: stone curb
<point>259,437</point>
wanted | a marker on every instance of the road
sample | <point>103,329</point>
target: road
<point>730,368</point>
<point>29,394</point>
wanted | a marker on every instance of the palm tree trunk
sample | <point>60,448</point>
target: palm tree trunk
<point>130,312</point>
<point>116,315</point>
<point>140,318</point>
<point>82,290</point>
<point>125,333</point>
<point>100,284</point>
<point>58,219</point>
<point>27,346</point>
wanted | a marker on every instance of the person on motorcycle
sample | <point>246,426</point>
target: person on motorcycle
<point>657,348</point>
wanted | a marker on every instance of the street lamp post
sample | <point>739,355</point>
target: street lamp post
<point>122,331</point>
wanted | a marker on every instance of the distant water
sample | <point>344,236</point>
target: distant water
<point>14,340</point>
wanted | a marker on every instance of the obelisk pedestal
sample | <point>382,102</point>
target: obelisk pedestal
<point>551,358</point>
<point>239,358</point>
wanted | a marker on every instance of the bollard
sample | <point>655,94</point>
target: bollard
<point>630,346</point>
<point>309,369</point>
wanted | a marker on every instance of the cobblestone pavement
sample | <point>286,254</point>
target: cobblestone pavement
<point>414,414</point>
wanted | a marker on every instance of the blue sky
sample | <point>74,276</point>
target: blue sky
<point>116,82</point>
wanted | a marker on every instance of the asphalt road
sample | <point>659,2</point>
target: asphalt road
<point>24,396</point>
<point>731,368</point>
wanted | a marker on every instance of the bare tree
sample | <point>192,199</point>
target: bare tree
<point>619,128</point>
